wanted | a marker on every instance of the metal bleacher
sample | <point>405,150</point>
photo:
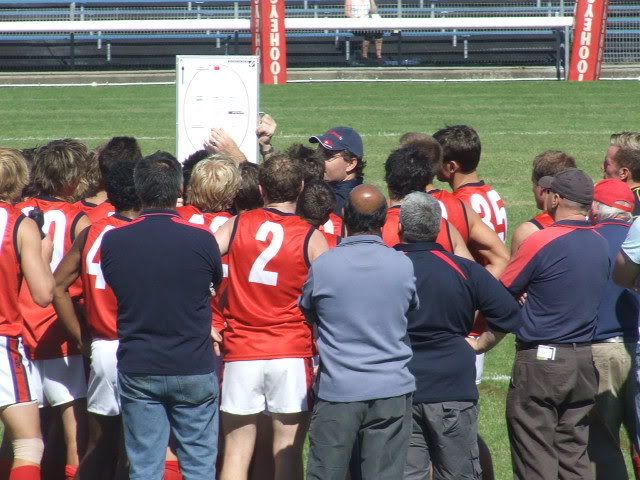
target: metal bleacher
<point>306,48</point>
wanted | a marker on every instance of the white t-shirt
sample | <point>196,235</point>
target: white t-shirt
<point>359,9</point>
<point>631,244</point>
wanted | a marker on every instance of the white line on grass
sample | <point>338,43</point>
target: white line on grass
<point>496,378</point>
<point>25,139</point>
<point>297,136</point>
<point>309,80</point>
<point>91,84</point>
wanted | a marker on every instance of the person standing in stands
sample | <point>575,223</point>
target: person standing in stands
<point>365,9</point>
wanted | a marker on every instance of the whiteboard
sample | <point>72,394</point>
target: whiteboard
<point>216,91</point>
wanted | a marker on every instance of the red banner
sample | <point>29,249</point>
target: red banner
<point>269,39</point>
<point>588,40</point>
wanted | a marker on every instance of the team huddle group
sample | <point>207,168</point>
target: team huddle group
<point>144,302</point>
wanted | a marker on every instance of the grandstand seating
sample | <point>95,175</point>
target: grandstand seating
<point>102,50</point>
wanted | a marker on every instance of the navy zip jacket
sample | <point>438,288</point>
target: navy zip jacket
<point>451,289</point>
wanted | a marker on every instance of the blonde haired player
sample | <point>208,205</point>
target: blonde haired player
<point>22,254</point>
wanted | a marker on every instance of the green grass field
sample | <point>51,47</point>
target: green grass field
<point>515,121</point>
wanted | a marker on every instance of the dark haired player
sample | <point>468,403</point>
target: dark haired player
<point>118,149</point>
<point>407,171</point>
<point>98,338</point>
<point>268,344</point>
<point>461,154</point>
<point>315,204</point>
<point>248,196</point>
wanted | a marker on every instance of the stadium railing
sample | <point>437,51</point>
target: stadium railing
<point>101,30</point>
<point>543,44</point>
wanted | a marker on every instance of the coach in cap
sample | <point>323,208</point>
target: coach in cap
<point>563,271</point>
<point>342,151</point>
<point>615,338</point>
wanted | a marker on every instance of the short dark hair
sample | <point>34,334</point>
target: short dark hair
<point>412,167</point>
<point>189,164</point>
<point>311,163</point>
<point>316,201</point>
<point>120,187</point>
<point>549,163</point>
<point>358,222</point>
<point>629,158</point>
<point>248,196</point>
<point>118,149</point>
<point>158,180</point>
<point>462,144</point>
<point>280,178</point>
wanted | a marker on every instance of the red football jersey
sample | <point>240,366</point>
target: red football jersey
<point>268,265</point>
<point>334,225</point>
<point>43,334</point>
<point>10,274</point>
<point>487,203</point>
<point>453,211</point>
<point>214,220</point>
<point>542,220</point>
<point>332,240</point>
<point>96,212</point>
<point>99,300</point>
<point>391,237</point>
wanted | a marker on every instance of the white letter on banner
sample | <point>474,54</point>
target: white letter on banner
<point>274,11</point>
<point>585,38</point>
<point>274,39</point>
<point>274,54</point>
<point>584,52</point>
<point>588,23</point>
<point>273,25</point>
<point>583,66</point>
<point>589,11</point>
<point>275,69</point>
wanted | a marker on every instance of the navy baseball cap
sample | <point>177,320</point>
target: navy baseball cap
<point>341,138</point>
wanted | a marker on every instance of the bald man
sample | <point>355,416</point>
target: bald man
<point>358,295</point>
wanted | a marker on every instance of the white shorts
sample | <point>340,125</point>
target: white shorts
<point>59,380</point>
<point>280,385</point>
<point>479,367</point>
<point>16,383</point>
<point>103,396</point>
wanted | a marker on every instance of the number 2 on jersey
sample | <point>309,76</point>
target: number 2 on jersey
<point>258,273</point>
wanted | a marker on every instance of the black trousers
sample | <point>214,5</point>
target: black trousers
<point>548,407</point>
<point>381,426</point>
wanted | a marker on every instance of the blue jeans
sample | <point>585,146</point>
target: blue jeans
<point>153,405</point>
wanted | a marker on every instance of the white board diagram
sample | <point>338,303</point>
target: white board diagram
<point>216,92</point>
